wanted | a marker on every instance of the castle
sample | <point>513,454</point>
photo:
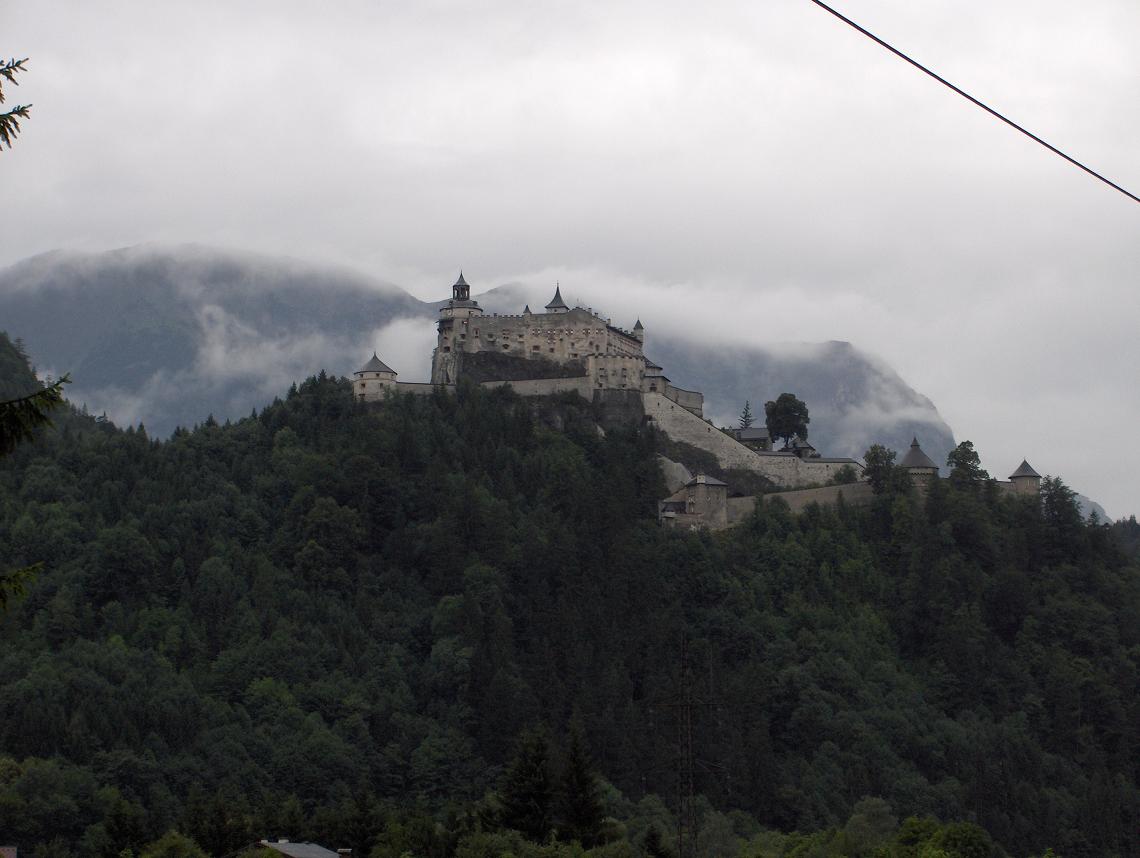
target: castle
<point>573,349</point>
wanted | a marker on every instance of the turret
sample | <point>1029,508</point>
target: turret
<point>373,380</point>
<point>1025,480</point>
<point>920,466</point>
<point>461,291</point>
<point>639,331</point>
<point>557,305</point>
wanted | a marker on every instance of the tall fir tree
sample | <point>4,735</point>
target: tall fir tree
<point>527,789</point>
<point>581,813</point>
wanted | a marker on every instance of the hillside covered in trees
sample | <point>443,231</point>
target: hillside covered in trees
<point>361,623</point>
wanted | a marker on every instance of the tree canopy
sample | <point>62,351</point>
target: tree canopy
<point>786,417</point>
<point>337,621</point>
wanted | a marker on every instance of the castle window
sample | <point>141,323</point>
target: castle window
<point>476,332</point>
<point>552,349</point>
<point>534,348</point>
<point>573,354</point>
<point>447,348</point>
<point>506,346</point>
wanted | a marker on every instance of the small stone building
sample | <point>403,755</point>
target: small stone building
<point>700,503</point>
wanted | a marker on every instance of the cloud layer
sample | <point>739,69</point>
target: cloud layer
<point>807,184</point>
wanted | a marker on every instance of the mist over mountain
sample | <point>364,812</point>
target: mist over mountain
<point>166,335</point>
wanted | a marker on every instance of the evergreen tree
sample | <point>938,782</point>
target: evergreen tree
<point>581,812</point>
<point>746,418</point>
<point>527,788</point>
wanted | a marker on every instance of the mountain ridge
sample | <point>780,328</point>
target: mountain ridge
<point>166,335</point>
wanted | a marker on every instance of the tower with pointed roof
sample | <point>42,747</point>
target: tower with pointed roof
<point>458,321</point>
<point>374,380</point>
<point>557,305</point>
<point>921,467</point>
<point>1025,480</point>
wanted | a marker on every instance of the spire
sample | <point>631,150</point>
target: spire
<point>526,310</point>
<point>557,305</point>
<point>638,326</point>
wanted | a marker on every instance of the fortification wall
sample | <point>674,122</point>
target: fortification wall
<point>824,470</point>
<point>420,388</point>
<point>691,400</point>
<point>547,386</point>
<point>855,494</point>
<point>680,424</point>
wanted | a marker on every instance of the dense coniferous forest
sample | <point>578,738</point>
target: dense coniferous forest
<point>377,626</point>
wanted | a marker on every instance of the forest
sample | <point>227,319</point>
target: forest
<point>451,626</point>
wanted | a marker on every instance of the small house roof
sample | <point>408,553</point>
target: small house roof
<point>799,443</point>
<point>915,458</point>
<point>299,850</point>
<point>1024,470</point>
<point>752,433</point>
<point>556,303</point>
<point>376,365</point>
<point>705,480</point>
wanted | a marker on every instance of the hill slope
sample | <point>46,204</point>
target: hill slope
<point>334,600</point>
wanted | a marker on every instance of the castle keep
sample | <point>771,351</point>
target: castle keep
<point>561,349</point>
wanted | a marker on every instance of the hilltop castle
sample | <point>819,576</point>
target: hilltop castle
<point>574,349</point>
<point>561,349</point>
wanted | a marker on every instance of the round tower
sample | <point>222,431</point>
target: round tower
<point>454,323</point>
<point>1025,480</point>
<point>920,466</point>
<point>373,380</point>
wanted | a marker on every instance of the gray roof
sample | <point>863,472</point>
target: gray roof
<point>704,479</point>
<point>799,443</point>
<point>376,365</point>
<point>556,303</point>
<point>915,458</point>
<point>526,310</point>
<point>638,326</point>
<point>752,433</point>
<point>299,850</point>
<point>1025,470</point>
<point>461,281</point>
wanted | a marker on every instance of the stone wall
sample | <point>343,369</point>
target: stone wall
<point>855,494</point>
<point>421,388</point>
<point>691,400</point>
<point>783,469</point>
<point>547,386</point>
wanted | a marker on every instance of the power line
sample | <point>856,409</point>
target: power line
<point>971,98</point>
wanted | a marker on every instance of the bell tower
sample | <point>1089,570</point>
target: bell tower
<point>454,323</point>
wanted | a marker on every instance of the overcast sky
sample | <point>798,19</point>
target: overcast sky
<point>757,170</point>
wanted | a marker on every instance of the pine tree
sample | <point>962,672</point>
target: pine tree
<point>746,418</point>
<point>581,813</point>
<point>527,789</point>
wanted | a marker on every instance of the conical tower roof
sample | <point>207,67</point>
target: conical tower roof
<point>556,303</point>
<point>915,458</point>
<point>461,281</point>
<point>638,326</point>
<point>526,310</point>
<point>376,365</point>
<point>1025,470</point>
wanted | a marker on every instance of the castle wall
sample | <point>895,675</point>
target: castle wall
<point>783,469</point>
<point>691,400</point>
<point>420,388</point>
<point>584,387</point>
<point>855,494</point>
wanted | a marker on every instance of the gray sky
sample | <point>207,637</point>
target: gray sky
<point>755,170</point>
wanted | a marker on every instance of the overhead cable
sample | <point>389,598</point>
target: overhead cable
<point>971,98</point>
